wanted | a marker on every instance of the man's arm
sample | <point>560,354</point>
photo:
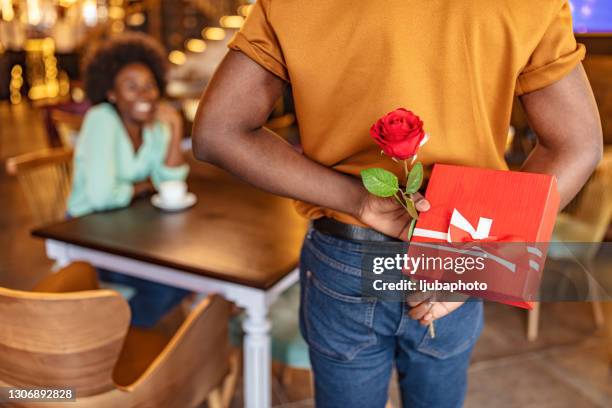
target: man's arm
<point>228,132</point>
<point>565,118</point>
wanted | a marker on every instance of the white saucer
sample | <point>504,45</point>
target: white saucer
<point>188,201</point>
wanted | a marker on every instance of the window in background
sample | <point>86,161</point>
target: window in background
<point>592,16</point>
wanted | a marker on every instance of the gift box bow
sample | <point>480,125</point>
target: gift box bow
<point>461,231</point>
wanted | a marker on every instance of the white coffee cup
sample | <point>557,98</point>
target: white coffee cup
<point>172,192</point>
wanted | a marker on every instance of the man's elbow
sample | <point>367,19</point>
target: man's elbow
<point>596,147</point>
<point>199,146</point>
<point>599,150</point>
<point>204,138</point>
<point>587,149</point>
<point>587,153</point>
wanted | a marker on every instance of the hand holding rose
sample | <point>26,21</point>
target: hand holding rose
<point>386,215</point>
<point>399,134</point>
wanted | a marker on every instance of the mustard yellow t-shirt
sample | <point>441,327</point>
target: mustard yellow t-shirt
<point>456,63</point>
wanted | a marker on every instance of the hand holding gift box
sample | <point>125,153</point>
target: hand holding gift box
<point>506,216</point>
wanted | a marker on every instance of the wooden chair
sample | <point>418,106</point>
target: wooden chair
<point>45,177</point>
<point>81,339</point>
<point>67,125</point>
<point>586,222</point>
<point>608,325</point>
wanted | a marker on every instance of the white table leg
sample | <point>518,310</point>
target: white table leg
<point>58,251</point>
<point>257,359</point>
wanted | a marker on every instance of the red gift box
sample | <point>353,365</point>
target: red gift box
<point>481,210</point>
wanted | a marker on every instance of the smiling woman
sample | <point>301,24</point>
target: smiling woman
<point>128,145</point>
<point>130,140</point>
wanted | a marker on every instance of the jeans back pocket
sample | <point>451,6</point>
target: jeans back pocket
<point>335,324</point>
<point>455,332</point>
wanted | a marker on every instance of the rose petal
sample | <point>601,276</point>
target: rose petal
<point>399,133</point>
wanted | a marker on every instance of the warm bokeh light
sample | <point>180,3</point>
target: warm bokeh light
<point>34,13</point>
<point>195,45</point>
<point>190,107</point>
<point>117,26</point>
<point>177,57</point>
<point>37,92</point>
<point>42,72</point>
<point>78,95</point>
<point>116,12</point>
<point>64,83</point>
<point>44,45</point>
<point>6,7</point>
<point>231,21</point>
<point>16,84</point>
<point>15,98</point>
<point>213,33</point>
<point>510,137</point>
<point>135,19</point>
<point>90,12</point>
<point>245,9</point>
<point>66,3</point>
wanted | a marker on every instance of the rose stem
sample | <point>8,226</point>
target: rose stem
<point>432,330</point>
<point>400,201</point>
<point>407,197</point>
<point>406,168</point>
<point>411,228</point>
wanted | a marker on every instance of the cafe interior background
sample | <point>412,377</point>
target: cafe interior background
<point>559,355</point>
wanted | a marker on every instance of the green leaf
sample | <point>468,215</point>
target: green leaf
<point>412,209</point>
<point>411,229</point>
<point>380,182</point>
<point>415,179</point>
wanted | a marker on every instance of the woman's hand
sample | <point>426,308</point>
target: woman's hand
<point>387,216</point>
<point>168,115</point>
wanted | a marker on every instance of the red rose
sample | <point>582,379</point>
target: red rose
<point>399,133</point>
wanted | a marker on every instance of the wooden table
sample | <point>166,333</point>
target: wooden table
<point>237,241</point>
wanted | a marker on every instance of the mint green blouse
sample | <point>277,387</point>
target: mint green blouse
<point>106,165</point>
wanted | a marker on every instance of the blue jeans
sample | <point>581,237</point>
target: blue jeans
<point>355,341</point>
<point>151,301</point>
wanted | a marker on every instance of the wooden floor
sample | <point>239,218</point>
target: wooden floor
<point>566,367</point>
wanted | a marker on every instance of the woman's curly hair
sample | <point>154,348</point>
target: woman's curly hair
<point>102,64</point>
